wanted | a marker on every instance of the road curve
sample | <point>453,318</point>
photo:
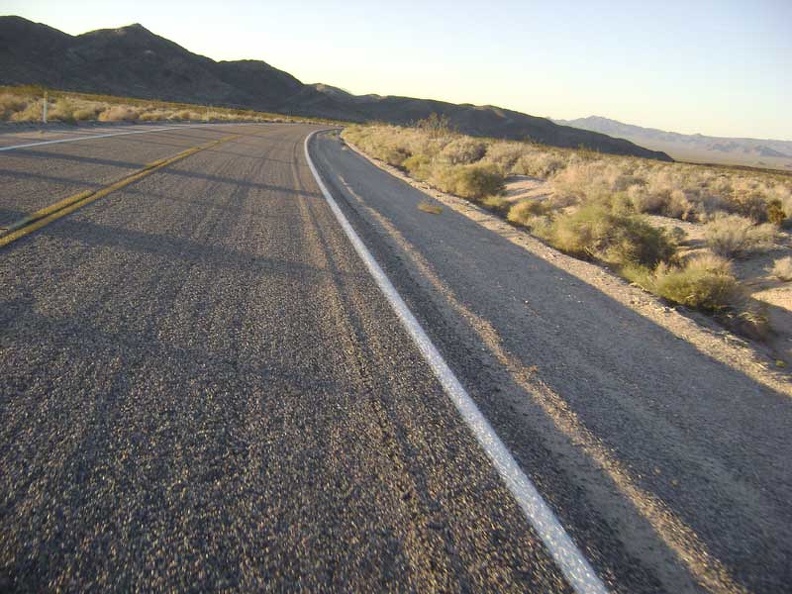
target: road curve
<point>203,389</point>
<point>672,469</point>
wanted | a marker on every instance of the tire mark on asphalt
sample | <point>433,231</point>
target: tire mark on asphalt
<point>678,536</point>
<point>453,535</point>
<point>567,556</point>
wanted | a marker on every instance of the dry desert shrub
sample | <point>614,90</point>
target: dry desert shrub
<point>596,233</point>
<point>524,158</point>
<point>703,282</point>
<point>32,112</point>
<point>579,180</point>
<point>184,115</point>
<point>474,181</point>
<point>84,114</point>
<point>119,113</point>
<point>736,236</point>
<point>540,164</point>
<point>62,111</point>
<point>527,212</point>
<point>782,269</point>
<point>506,154</point>
<point>775,212</point>
<point>419,166</point>
<point>11,104</point>
<point>496,204</point>
<point>463,150</point>
<point>153,116</point>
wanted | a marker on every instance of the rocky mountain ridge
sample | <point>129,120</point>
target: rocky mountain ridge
<point>754,152</point>
<point>134,62</point>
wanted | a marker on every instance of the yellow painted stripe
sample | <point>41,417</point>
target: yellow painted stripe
<point>60,209</point>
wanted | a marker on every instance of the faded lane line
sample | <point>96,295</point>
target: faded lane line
<point>60,209</point>
<point>567,556</point>
<point>109,135</point>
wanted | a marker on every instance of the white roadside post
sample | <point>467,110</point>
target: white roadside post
<point>44,112</point>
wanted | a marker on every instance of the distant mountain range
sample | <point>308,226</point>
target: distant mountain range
<point>776,154</point>
<point>133,62</point>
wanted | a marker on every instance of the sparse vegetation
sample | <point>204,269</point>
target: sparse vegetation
<point>782,269</point>
<point>737,236</point>
<point>703,282</point>
<point>475,181</point>
<point>595,233</point>
<point>119,113</point>
<point>528,213</point>
<point>595,206</point>
<point>25,104</point>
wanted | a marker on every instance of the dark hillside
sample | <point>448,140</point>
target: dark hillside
<point>134,62</point>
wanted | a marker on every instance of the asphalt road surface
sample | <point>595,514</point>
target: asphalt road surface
<point>203,389</point>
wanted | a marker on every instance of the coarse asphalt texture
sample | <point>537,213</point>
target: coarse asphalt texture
<point>203,389</point>
<point>671,470</point>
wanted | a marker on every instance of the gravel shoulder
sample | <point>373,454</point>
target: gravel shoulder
<point>661,440</point>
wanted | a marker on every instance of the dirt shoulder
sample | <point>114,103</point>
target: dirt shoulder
<point>756,360</point>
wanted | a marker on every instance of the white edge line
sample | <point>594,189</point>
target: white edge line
<point>570,560</point>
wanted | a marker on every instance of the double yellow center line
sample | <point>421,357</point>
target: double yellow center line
<point>60,209</point>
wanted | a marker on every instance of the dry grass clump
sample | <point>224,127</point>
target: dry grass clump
<point>11,104</point>
<point>782,269</point>
<point>595,204</point>
<point>431,208</point>
<point>31,112</point>
<point>119,113</point>
<point>62,111</point>
<point>737,236</point>
<point>528,213</point>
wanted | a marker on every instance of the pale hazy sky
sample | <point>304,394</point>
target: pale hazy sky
<point>718,67</point>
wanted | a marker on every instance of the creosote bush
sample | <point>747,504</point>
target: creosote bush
<point>595,233</point>
<point>473,181</point>
<point>595,206</point>
<point>736,236</point>
<point>703,282</point>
